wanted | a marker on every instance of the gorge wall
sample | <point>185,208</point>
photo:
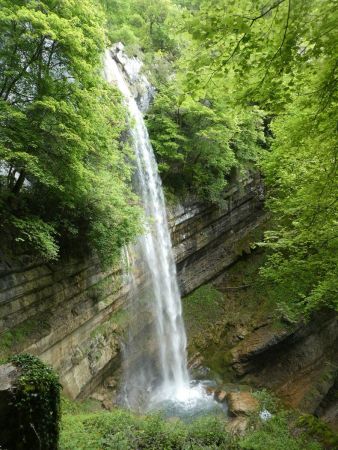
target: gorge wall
<point>71,314</point>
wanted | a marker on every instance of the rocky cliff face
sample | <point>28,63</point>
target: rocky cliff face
<point>236,332</point>
<point>206,239</point>
<point>71,314</point>
<point>66,314</point>
<point>298,362</point>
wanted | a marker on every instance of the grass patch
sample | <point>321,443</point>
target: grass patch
<point>278,434</point>
<point>319,430</point>
<point>123,430</point>
<point>71,407</point>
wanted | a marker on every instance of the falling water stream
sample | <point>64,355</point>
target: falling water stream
<point>155,367</point>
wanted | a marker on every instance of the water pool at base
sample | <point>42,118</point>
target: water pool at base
<point>188,403</point>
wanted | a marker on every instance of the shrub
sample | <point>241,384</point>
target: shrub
<point>36,404</point>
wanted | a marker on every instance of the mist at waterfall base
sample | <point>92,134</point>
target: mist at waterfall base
<point>155,361</point>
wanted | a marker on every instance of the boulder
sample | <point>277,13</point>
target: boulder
<point>220,396</point>
<point>241,403</point>
<point>97,396</point>
<point>210,390</point>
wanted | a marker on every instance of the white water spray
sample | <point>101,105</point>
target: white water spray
<point>156,362</point>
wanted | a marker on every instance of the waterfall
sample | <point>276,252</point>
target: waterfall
<point>156,361</point>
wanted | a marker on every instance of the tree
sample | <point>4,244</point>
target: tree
<point>145,24</point>
<point>64,173</point>
<point>281,55</point>
<point>199,142</point>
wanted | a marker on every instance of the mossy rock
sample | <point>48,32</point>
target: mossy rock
<point>30,405</point>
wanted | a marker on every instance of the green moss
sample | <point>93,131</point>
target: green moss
<point>103,288</point>
<point>202,310</point>
<point>203,306</point>
<point>120,317</point>
<point>12,341</point>
<point>218,359</point>
<point>35,405</point>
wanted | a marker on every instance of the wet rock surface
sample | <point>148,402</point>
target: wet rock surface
<point>299,363</point>
<point>220,396</point>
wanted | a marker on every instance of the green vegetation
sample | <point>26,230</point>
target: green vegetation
<point>276,434</point>
<point>36,404</point>
<point>13,340</point>
<point>281,56</point>
<point>64,173</point>
<point>123,430</point>
<point>216,315</point>
<point>144,25</point>
<point>250,84</point>
<point>318,430</point>
<point>240,85</point>
<point>199,143</point>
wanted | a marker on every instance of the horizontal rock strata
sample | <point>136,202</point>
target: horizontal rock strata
<point>299,363</point>
<point>71,314</point>
<point>206,239</point>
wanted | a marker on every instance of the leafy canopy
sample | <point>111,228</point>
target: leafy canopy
<point>281,55</point>
<point>199,141</point>
<point>64,174</point>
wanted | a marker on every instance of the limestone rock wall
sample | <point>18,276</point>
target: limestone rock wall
<point>206,239</point>
<point>68,314</point>
<point>71,314</point>
<point>298,362</point>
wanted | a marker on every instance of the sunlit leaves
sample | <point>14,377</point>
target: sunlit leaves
<point>64,171</point>
<point>281,55</point>
<point>199,142</point>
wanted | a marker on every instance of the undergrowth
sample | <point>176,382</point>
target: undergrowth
<point>124,430</point>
